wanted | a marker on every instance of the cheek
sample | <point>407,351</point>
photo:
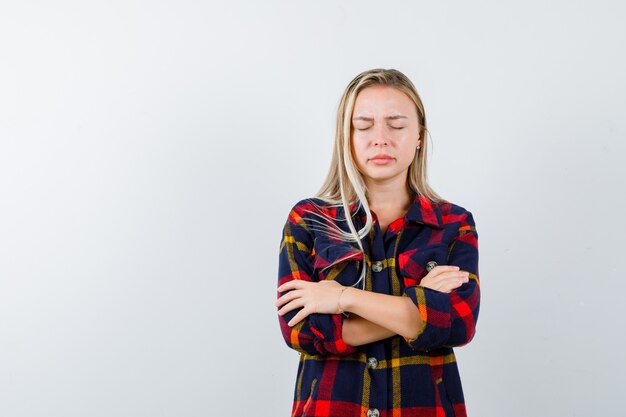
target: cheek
<point>408,152</point>
<point>358,150</point>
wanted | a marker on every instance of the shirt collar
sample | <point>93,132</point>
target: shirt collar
<point>421,210</point>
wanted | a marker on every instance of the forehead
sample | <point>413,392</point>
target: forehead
<point>383,99</point>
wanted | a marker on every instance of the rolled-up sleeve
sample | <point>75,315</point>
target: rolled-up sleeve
<point>317,334</point>
<point>450,319</point>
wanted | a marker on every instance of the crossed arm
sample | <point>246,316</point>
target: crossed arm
<point>444,309</point>
<point>374,316</point>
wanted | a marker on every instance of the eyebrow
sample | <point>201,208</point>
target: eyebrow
<point>371,119</point>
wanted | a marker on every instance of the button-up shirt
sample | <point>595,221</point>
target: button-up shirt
<point>396,376</point>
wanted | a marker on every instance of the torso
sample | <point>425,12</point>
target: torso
<point>417,377</point>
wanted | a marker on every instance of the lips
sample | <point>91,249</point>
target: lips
<point>381,156</point>
<point>382,159</point>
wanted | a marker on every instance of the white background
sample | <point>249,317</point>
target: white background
<point>150,152</point>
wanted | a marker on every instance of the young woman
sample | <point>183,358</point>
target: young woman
<point>375,300</point>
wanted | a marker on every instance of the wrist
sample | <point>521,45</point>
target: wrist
<point>340,308</point>
<point>346,299</point>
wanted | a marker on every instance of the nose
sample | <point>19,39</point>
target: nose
<point>381,135</point>
<point>381,138</point>
<point>381,141</point>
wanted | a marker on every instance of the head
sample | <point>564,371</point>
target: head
<point>378,94</point>
<point>385,135</point>
<point>345,180</point>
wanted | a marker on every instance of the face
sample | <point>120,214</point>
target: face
<point>385,133</point>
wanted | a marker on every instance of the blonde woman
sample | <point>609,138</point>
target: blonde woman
<point>378,275</point>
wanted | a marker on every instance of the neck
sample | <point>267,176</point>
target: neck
<point>390,196</point>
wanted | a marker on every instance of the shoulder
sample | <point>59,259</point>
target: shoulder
<point>454,215</point>
<point>305,213</point>
<point>308,219</point>
<point>311,203</point>
<point>314,207</point>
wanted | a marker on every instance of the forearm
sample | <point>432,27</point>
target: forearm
<point>397,314</point>
<point>358,331</point>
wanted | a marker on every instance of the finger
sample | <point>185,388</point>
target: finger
<point>294,284</point>
<point>301,315</point>
<point>446,268</point>
<point>291,295</point>
<point>464,279</point>
<point>453,282</point>
<point>290,285</point>
<point>446,281</point>
<point>452,275</point>
<point>439,269</point>
<point>292,305</point>
<point>447,286</point>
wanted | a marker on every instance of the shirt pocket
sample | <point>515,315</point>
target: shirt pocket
<point>413,263</point>
<point>339,261</point>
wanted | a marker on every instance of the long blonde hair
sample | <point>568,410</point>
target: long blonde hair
<point>344,185</point>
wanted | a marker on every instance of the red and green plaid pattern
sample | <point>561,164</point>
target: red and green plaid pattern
<point>397,376</point>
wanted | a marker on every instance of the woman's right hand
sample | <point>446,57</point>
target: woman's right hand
<point>445,278</point>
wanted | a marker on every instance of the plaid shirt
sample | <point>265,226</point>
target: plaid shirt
<point>397,376</point>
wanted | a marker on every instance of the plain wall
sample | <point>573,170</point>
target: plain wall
<point>150,152</point>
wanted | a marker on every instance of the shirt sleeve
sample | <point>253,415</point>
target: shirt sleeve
<point>449,320</point>
<point>317,334</point>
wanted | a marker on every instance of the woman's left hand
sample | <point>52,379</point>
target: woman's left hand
<point>313,297</point>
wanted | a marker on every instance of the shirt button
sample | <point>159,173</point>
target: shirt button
<point>372,363</point>
<point>430,265</point>
<point>373,412</point>
<point>377,266</point>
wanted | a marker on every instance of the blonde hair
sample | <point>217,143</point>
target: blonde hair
<point>344,184</point>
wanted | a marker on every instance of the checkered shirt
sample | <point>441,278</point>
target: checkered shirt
<point>398,376</point>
